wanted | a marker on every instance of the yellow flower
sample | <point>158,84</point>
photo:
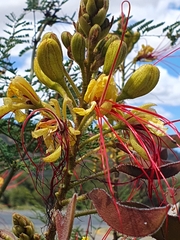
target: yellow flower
<point>56,133</point>
<point>96,88</point>
<point>47,130</point>
<point>20,95</point>
<point>148,119</point>
<point>21,89</point>
<point>145,54</point>
<point>72,135</point>
<point>94,93</point>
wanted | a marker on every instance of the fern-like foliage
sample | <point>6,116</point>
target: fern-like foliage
<point>173,32</point>
<point>16,34</point>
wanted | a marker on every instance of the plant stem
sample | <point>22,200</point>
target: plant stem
<point>8,179</point>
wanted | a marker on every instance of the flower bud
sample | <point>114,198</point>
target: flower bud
<point>36,236</point>
<point>49,56</point>
<point>94,35</point>
<point>17,230</point>
<point>141,82</point>
<point>100,17</point>
<point>99,3</point>
<point>100,51</point>
<point>105,27</point>
<point>29,230</point>
<point>53,36</point>
<point>91,7</point>
<point>84,22</point>
<point>66,38</point>
<point>24,236</point>
<point>111,54</point>
<point>78,48</point>
<point>136,37</point>
<point>41,76</point>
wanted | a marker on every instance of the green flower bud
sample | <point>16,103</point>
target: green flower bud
<point>99,17</point>
<point>99,3</point>
<point>136,37</point>
<point>17,230</point>
<point>84,24</point>
<point>105,27</point>
<point>91,8</point>
<point>111,54</point>
<point>49,56</point>
<point>110,38</point>
<point>66,38</point>
<point>78,48</point>
<point>53,36</point>
<point>100,51</point>
<point>24,236</point>
<point>94,35</point>
<point>29,230</point>
<point>19,219</point>
<point>141,82</point>
<point>36,236</point>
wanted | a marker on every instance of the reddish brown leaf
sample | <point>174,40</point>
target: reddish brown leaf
<point>167,170</point>
<point>64,223</point>
<point>131,221</point>
<point>170,229</point>
<point>164,154</point>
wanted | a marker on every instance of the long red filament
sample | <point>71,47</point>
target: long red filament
<point>124,27</point>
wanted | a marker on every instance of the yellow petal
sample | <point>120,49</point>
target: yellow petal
<point>53,156</point>
<point>83,112</point>
<point>19,87</point>
<point>4,110</point>
<point>39,132</point>
<point>88,95</point>
<point>20,116</point>
<point>74,132</point>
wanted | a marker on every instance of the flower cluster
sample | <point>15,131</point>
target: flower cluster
<point>92,120</point>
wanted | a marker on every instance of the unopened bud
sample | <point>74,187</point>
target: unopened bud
<point>17,230</point>
<point>41,76</point>
<point>53,36</point>
<point>94,35</point>
<point>136,37</point>
<point>105,27</point>
<point>78,48</point>
<point>84,24</point>
<point>29,230</point>
<point>111,54</point>
<point>49,56</point>
<point>66,38</point>
<point>24,236</point>
<point>91,7</point>
<point>141,82</point>
<point>100,17</point>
